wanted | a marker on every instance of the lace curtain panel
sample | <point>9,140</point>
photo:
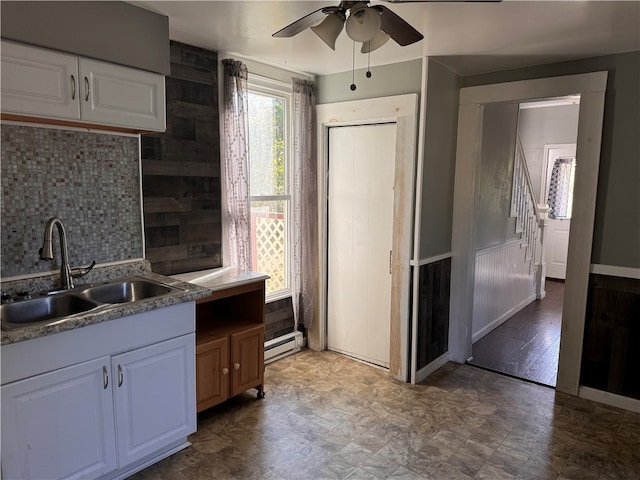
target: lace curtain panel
<point>560,197</point>
<point>305,201</point>
<point>235,166</point>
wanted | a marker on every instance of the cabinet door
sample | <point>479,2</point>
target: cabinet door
<point>212,372</point>
<point>154,397</point>
<point>116,95</point>
<point>39,82</point>
<point>59,424</point>
<point>247,359</point>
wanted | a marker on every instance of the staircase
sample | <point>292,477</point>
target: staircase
<point>530,220</point>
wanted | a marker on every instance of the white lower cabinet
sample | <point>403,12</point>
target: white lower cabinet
<point>154,397</point>
<point>59,424</point>
<point>100,416</point>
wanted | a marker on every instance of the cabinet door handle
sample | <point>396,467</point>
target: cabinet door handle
<point>120,376</point>
<point>105,377</point>
<point>86,84</point>
<point>73,87</point>
<point>236,366</point>
<point>225,371</point>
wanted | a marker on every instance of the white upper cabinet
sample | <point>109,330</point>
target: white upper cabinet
<point>116,95</point>
<point>50,85</point>
<point>39,82</point>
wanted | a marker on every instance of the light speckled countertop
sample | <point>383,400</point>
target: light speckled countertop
<point>186,292</point>
<point>220,278</point>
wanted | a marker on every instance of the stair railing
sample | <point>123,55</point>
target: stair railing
<point>530,221</point>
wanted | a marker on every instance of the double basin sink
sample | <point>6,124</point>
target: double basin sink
<point>57,305</point>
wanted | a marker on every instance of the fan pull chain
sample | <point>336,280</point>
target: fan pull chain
<point>353,68</point>
<point>369,59</point>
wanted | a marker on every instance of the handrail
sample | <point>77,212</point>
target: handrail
<point>527,176</point>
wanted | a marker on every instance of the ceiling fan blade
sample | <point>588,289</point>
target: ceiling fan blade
<point>397,28</point>
<point>304,22</point>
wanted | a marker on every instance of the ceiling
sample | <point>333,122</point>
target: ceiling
<point>468,37</point>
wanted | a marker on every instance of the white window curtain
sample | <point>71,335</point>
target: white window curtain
<point>305,201</point>
<point>235,166</point>
<point>560,197</point>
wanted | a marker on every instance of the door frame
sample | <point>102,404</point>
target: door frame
<point>403,110</point>
<point>591,87</point>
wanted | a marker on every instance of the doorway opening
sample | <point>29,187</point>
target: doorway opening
<point>520,335</point>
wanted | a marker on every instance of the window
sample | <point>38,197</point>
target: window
<point>560,198</point>
<point>269,192</point>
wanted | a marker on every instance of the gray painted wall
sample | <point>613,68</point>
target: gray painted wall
<point>115,32</point>
<point>386,80</point>
<point>545,126</point>
<point>494,226</point>
<point>616,239</point>
<point>441,129</point>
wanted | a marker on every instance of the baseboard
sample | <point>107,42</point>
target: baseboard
<point>608,398</point>
<point>428,369</point>
<point>615,271</point>
<point>282,346</point>
<point>501,319</point>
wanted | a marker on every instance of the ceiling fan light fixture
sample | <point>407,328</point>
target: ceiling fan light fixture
<point>376,42</point>
<point>363,23</point>
<point>330,28</point>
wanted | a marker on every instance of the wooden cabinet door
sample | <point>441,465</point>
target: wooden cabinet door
<point>39,82</point>
<point>154,397</point>
<point>117,95</point>
<point>59,424</point>
<point>212,372</point>
<point>247,359</point>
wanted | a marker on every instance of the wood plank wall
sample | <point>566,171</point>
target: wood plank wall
<point>279,318</point>
<point>433,311</point>
<point>181,169</point>
<point>611,356</point>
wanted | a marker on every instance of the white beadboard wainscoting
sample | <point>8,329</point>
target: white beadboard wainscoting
<point>504,284</point>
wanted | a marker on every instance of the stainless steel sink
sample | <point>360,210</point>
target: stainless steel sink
<point>55,306</point>
<point>125,291</point>
<point>41,309</point>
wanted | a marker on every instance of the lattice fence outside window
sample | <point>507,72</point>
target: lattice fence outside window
<point>269,238</point>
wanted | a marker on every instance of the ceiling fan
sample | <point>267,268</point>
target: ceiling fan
<point>372,25</point>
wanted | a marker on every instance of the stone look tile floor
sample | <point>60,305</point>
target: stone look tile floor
<point>326,416</point>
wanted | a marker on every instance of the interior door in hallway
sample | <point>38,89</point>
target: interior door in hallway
<point>360,224</point>
<point>557,231</point>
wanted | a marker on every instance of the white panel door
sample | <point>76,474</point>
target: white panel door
<point>39,82</point>
<point>557,231</point>
<point>116,95</point>
<point>154,397</point>
<point>360,224</point>
<point>59,425</point>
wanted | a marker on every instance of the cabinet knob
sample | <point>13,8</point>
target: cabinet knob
<point>120,376</point>
<point>225,371</point>
<point>105,377</point>
<point>86,84</point>
<point>236,366</point>
<point>73,85</point>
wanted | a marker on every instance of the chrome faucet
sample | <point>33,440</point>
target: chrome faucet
<point>46,253</point>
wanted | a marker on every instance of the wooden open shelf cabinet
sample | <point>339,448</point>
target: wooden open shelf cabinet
<point>230,343</point>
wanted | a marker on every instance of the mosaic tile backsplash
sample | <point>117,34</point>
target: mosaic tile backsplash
<point>91,181</point>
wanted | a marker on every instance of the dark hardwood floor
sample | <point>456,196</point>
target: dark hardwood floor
<point>526,346</point>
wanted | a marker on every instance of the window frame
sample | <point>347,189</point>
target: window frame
<point>282,90</point>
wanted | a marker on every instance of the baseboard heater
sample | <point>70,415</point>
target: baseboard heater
<point>282,346</point>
